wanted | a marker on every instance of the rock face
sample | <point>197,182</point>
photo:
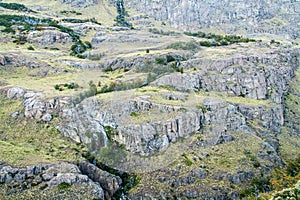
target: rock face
<point>258,77</point>
<point>91,124</point>
<point>110,183</point>
<point>48,37</point>
<point>80,3</point>
<point>35,106</point>
<point>95,122</point>
<point>2,60</point>
<point>49,175</point>
<point>229,15</point>
<point>18,59</point>
<point>42,109</point>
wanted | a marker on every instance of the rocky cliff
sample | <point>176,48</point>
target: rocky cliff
<point>172,115</point>
<point>85,177</point>
<point>275,17</point>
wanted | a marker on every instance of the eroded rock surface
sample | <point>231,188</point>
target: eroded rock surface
<point>230,15</point>
<point>249,76</point>
<point>49,175</point>
<point>48,37</point>
<point>80,3</point>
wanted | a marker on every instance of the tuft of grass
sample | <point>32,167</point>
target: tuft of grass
<point>63,186</point>
<point>186,160</point>
<point>134,114</point>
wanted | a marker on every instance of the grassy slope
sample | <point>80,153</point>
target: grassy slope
<point>289,138</point>
<point>103,12</point>
<point>20,139</point>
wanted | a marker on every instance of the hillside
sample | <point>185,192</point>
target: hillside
<point>113,99</point>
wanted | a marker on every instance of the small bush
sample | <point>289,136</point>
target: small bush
<point>110,132</point>
<point>54,49</point>
<point>95,56</point>
<point>88,44</point>
<point>56,87</point>
<point>78,48</point>
<point>63,186</point>
<point>191,45</point>
<point>30,48</point>
<point>160,61</point>
<point>80,56</point>
<point>108,69</point>
<point>186,160</point>
<point>170,58</point>
<point>134,114</point>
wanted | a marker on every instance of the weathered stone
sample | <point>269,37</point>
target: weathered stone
<point>199,173</point>
<point>265,81</point>
<point>2,60</point>
<point>80,3</point>
<point>240,177</point>
<point>15,114</point>
<point>110,183</point>
<point>226,15</point>
<point>180,81</point>
<point>47,117</point>
<point>52,175</point>
<point>20,60</point>
<point>48,37</point>
<point>15,93</point>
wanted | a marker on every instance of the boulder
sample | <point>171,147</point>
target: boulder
<point>2,60</point>
<point>15,93</point>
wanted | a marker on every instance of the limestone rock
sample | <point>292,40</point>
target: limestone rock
<point>87,121</point>
<point>2,60</point>
<point>259,77</point>
<point>48,37</point>
<point>52,175</point>
<point>18,60</point>
<point>240,177</point>
<point>110,183</point>
<point>180,81</point>
<point>228,16</point>
<point>80,3</point>
<point>15,93</point>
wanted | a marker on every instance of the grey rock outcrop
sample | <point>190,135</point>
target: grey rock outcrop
<point>110,183</point>
<point>240,177</point>
<point>2,60</point>
<point>17,59</point>
<point>80,3</point>
<point>87,122</point>
<point>83,27</point>
<point>229,16</point>
<point>36,107</point>
<point>94,122</point>
<point>48,37</point>
<point>15,93</point>
<point>258,77</point>
<point>221,117</point>
<point>42,109</point>
<point>48,175</point>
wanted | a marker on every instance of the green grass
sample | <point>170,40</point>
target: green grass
<point>27,142</point>
<point>73,192</point>
<point>15,6</point>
